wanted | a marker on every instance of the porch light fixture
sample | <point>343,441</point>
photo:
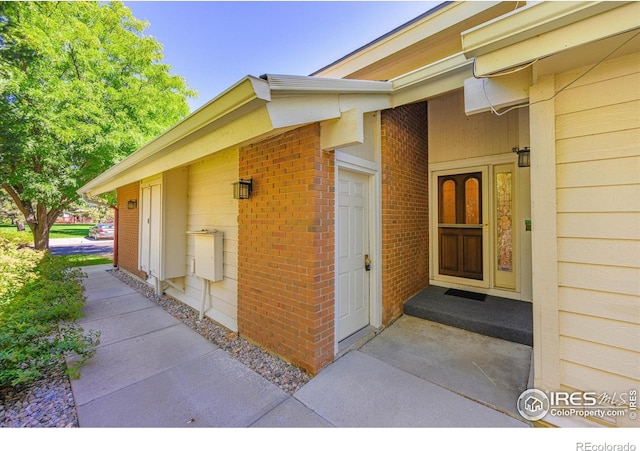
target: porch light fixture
<point>242,189</point>
<point>132,204</point>
<point>524,160</point>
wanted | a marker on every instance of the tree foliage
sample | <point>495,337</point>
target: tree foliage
<point>81,87</point>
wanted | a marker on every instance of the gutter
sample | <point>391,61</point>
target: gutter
<point>544,29</point>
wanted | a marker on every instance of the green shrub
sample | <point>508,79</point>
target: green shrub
<point>40,300</point>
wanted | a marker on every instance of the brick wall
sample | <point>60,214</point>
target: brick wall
<point>405,213</point>
<point>286,248</point>
<point>128,224</point>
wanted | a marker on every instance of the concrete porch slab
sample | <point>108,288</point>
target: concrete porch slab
<point>492,371</point>
<point>359,390</point>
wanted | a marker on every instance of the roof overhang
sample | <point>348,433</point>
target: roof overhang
<point>252,109</point>
<point>543,29</point>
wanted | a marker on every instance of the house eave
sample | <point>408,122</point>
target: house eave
<point>543,29</point>
<point>274,102</point>
<point>247,95</point>
<point>429,24</point>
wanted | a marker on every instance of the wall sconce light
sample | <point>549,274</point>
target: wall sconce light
<point>524,160</point>
<point>242,189</point>
<point>132,204</point>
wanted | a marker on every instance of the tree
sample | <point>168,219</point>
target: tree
<point>81,87</point>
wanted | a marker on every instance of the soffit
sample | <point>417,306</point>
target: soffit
<point>423,44</point>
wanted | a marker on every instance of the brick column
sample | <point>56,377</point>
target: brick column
<point>128,228</point>
<point>286,248</point>
<point>405,206</point>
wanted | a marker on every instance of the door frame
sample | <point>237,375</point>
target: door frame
<point>346,162</point>
<point>486,166</point>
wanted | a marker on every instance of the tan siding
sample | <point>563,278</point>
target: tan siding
<point>211,206</point>
<point>598,221</point>
<point>590,379</point>
<point>455,136</point>
<point>603,94</point>
<point>609,172</point>
<point>601,357</point>
<point>611,279</point>
<point>600,252</point>
<point>619,144</point>
<point>620,334</point>
<point>620,116</point>
<point>600,225</point>
<point>624,198</point>
<point>601,304</point>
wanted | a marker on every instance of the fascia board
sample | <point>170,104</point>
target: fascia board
<point>431,71</point>
<point>291,84</point>
<point>607,23</point>
<point>432,80</point>
<point>527,22</point>
<point>436,22</point>
<point>246,95</point>
<point>203,142</point>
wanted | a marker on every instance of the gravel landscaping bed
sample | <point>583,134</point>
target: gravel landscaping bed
<point>48,402</point>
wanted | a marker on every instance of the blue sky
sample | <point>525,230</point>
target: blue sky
<point>215,44</point>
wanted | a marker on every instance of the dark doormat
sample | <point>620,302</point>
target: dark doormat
<point>466,294</point>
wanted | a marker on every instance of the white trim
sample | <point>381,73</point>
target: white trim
<point>502,158</point>
<point>544,236</point>
<point>527,22</point>
<point>526,35</point>
<point>351,163</point>
<point>304,84</point>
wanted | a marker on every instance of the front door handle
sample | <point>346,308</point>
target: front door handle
<point>367,263</point>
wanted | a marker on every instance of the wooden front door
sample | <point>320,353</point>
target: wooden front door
<point>460,225</point>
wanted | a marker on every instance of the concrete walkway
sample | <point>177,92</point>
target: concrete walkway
<point>150,370</point>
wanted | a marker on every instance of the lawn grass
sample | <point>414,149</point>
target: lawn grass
<point>73,261</point>
<point>70,230</point>
<point>57,231</point>
<point>25,238</point>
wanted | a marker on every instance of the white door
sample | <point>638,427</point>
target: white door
<point>353,249</point>
<point>150,230</point>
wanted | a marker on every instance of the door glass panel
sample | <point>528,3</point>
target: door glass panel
<point>449,202</point>
<point>504,221</point>
<point>472,201</point>
<point>460,230</point>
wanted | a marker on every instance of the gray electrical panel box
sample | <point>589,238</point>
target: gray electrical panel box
<point>209,255</point>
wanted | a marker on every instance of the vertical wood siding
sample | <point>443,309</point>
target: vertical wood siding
<point>598,206</point>
<point>456,136</point>
<point>211,206</point>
